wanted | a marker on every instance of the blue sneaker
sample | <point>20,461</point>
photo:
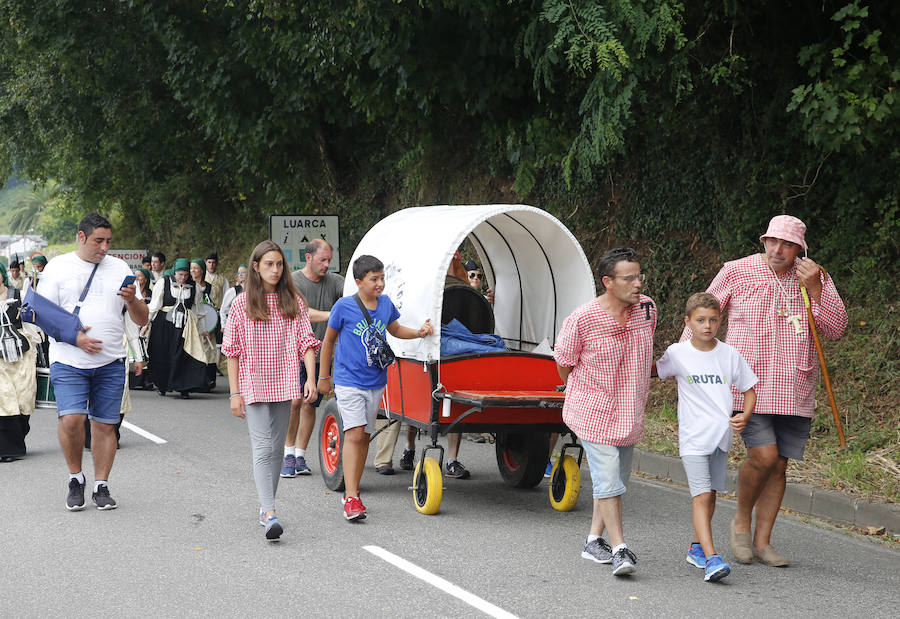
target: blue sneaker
<point>716,569</point>
<point>262,518</point>
<point>289,466</point>
<point>695,556</point>
<point>273,528</point>
<point>300,467</point>
<point>549,469</point>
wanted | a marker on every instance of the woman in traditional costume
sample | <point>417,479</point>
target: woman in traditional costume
<point>18,374</point>
<point>139,347</point>
<point>207,317</point>
<point>178,355</point>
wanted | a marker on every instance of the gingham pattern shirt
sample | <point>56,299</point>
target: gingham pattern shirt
<point>607,388</point>
<point>784,360</point>
<point>270,352</point>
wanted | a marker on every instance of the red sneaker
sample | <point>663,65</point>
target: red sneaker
<point>354,509</point>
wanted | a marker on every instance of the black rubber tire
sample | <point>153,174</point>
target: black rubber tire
<point>522,457</point>
<point>330,437</point>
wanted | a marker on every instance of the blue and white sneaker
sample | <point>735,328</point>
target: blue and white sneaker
<point>262,518</point>
<point>716,569</point>
<point>549,470</point>
<point>695,556</point>
<point>273,528</point>
<point>289,466</point>
<point>300,467</point>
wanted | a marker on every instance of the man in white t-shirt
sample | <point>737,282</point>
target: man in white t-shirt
<point>89,378</point>
<point>706,370</point>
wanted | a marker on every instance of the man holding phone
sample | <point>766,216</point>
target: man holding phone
<point>89,378</point>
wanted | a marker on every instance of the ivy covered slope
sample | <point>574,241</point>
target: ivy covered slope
<point>679,127</point>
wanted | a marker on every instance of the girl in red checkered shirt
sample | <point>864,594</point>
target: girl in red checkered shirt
<point>267,334</point>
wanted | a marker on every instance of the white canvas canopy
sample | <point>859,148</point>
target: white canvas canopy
<point>535,266</point>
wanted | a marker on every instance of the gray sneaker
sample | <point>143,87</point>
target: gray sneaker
<point>597,550</point>
<point>456,470</point>
<point>75,497</point>
<point>102,498</point>
<point>624,562</point>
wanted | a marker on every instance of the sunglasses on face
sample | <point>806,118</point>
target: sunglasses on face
<point>476,276</point>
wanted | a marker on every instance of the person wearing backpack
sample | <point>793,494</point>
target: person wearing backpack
<point>361,356</point>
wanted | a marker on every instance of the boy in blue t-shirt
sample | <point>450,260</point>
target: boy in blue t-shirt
<point>358,381</point>
<point>707,370</point>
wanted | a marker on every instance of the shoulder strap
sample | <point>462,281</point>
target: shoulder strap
<point>363,309</point>
<point>85,291</point>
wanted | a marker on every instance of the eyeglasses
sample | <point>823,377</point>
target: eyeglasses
<point>476,276</point>
<point>641,277</point>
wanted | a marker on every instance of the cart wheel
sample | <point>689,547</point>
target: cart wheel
<point>565,484</point>
<point>522,458</point>
<point>331,436</point>
<point>428,486</point>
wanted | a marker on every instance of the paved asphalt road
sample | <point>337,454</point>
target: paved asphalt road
<point>185,542</point>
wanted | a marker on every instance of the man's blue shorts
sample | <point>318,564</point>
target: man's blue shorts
<point>95,392</point>
<point>315,403</point>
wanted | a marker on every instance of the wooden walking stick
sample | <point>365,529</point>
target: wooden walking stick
<point>815,334</point>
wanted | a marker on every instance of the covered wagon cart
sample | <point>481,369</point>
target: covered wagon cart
<point>539,275</point>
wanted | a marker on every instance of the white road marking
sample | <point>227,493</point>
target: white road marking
<point>143,432</point>
<point>436,581</point>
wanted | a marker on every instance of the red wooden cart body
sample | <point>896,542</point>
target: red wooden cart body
<point>508,390</point>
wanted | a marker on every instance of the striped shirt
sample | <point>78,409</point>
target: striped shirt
<point>269,352</point>
<point>607,389</point>
<point>779,348</point>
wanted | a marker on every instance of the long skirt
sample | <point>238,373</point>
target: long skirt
<point>171,368</point>
<point>13,430</point>
<point>18,387</point>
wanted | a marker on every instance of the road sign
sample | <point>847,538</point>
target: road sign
<point>132,256</point>
<point>293,232</point>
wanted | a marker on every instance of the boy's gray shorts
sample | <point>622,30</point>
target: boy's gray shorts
<point>358,406</point>
<point>788,432</point>
<point>706,473</point>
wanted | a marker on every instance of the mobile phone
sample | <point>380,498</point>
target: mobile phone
<point>129,280</point>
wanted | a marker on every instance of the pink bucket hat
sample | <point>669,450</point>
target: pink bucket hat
<point>786,228</point>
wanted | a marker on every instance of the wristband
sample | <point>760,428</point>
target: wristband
<point>234,395</point>
<point>324,377</point>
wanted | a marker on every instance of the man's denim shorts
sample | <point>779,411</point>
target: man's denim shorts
<point>95,392</point>
<point>610,468</point>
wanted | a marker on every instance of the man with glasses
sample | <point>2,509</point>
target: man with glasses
<point>604,353</point>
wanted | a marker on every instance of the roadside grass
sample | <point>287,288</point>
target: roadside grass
<point>864,367</point>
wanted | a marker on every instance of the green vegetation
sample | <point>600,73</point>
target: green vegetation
<point>677,127</point>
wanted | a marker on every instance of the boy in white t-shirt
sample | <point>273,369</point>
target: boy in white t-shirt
<point>707,370</point>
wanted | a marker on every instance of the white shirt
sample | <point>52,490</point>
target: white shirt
<point>227,300</point>
<point>179,291</point>
<point>62,281</point>
<point>704,393</point>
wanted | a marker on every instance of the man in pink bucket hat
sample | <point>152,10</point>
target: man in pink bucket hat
<point>767,323</point>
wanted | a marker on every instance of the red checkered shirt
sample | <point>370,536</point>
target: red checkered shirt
<point>607,390</point>
<point>269,352</point>
<point>783,359</point>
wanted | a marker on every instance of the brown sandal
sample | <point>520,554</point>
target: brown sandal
<point>741,546</point>
<point>770,556</point>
